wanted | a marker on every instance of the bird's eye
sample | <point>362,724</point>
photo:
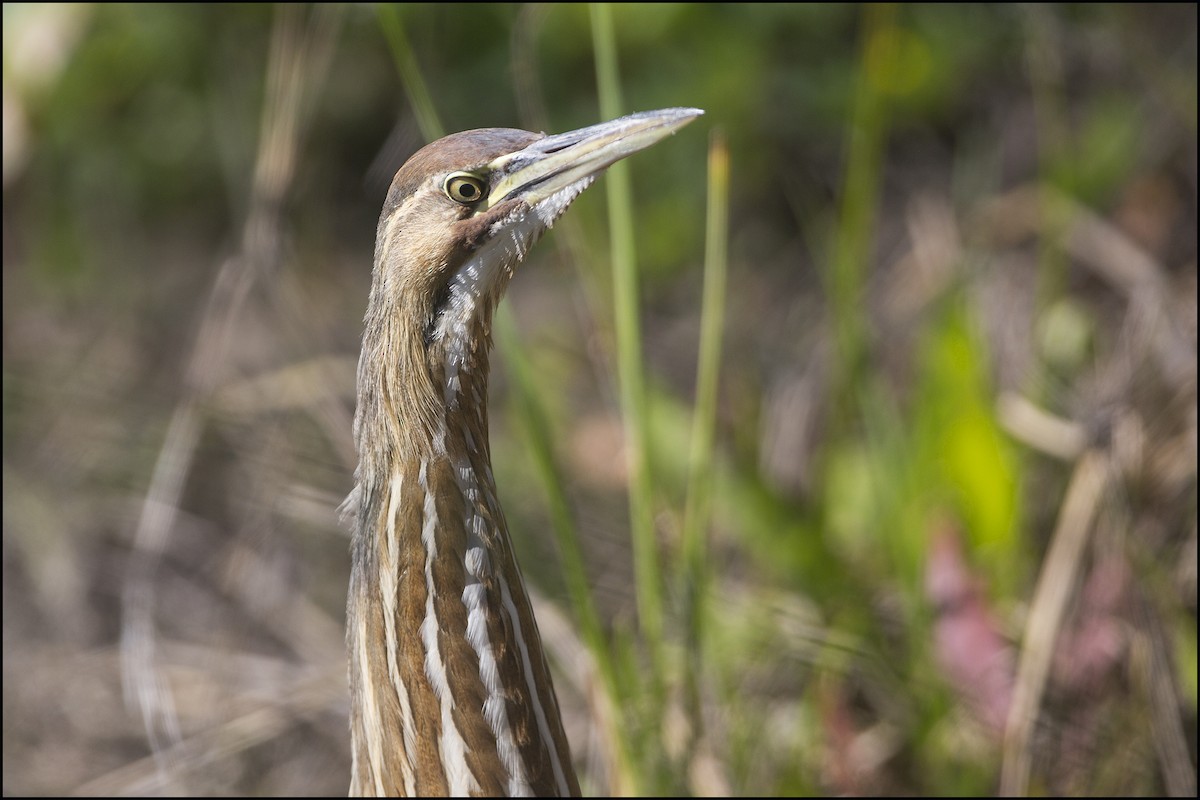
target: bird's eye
<point>463,187</point>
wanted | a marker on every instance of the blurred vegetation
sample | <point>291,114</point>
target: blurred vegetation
<point>930,528</point>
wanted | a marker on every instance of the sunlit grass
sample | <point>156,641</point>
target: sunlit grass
<point>630,367</point>
<point>695,569</point>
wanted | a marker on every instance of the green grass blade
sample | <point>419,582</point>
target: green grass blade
<point>530,408</point>
<point>630,372</point>
<point>539,439</point>
<point>854,238</point>
<point>410,73</point>
<point>698,505</point>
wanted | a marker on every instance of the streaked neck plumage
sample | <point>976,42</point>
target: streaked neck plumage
<point>450,693</point>
<point>445,652</point>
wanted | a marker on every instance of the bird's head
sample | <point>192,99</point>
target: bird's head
<point>460,215</point>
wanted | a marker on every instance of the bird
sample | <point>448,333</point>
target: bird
<point>450,692</point>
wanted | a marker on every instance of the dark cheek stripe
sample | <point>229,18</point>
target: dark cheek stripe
<point>441,299</point>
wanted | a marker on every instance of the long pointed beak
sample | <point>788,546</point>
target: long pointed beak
<point>555,162</point>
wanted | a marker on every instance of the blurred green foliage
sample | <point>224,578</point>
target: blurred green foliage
<point>900,260</point>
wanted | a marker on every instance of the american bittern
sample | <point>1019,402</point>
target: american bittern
<point>450,692</point>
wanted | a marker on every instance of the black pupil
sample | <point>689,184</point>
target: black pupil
<point>468,190</point>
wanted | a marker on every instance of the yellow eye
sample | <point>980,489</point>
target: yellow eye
<point>463,187</point>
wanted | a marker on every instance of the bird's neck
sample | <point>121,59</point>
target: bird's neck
<point>450,686</point>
